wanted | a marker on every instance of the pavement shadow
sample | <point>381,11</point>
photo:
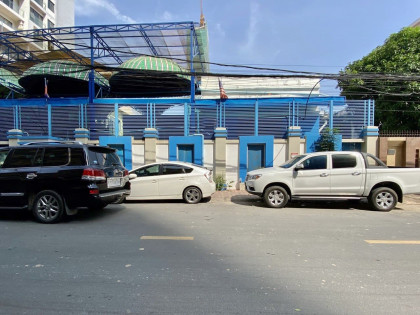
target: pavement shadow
<point>85,214</point>
<point>16,215</point>
<point>251,200</point>
<point>168,201</point>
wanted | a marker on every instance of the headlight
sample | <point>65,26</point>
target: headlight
<point>254,177</point>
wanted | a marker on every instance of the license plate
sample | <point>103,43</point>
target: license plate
<point>114,182</point>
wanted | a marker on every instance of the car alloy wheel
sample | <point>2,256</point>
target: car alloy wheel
<point>383,199</point>
<point>276,197</point>
<point>48,207</point>
<point>192,195</point>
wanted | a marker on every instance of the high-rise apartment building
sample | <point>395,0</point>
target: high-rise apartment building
<point>35,14</point>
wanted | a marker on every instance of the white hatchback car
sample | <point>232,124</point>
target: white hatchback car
<point>171,180</point>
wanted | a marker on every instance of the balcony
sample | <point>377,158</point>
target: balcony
<point>10,13</point>
<point>40,6</point>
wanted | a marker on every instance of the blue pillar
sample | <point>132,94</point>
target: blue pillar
<point>192,64</point>
<point>256,119</point>
<point>49,121</point>
<point>373,112</point>
<point>92,71</point>
<point>186,119</point>
<point>331,116</point>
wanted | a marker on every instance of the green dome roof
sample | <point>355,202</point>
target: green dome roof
<point>10,80</point>
<point>147,76</point>
<point>65,68</point>
<point>152,63</point>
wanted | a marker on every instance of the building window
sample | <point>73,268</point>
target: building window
<point>50,24</point>
<point>9,3</point>
<point>6,21</point>
<point>51,5</point>
<point>40,2</point>
<point>36,17</point>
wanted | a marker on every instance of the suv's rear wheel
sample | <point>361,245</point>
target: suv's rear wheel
<point>48,207</point>
<point>192,195</point>
<point>276,197</point>
<point>383,199</point>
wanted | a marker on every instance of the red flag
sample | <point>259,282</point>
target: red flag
<point>223,95</point>
<point>46,88</point>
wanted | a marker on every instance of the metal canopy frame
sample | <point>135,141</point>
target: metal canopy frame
<point>104,46</point>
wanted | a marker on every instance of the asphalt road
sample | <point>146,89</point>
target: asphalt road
<point>213,258</point>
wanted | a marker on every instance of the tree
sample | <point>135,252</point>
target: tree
<point>390,75</point>
<point>326,141</point>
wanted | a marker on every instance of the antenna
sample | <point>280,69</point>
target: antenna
<point>202,19</point>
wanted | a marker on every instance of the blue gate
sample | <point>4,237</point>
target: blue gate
<point>255,156</point>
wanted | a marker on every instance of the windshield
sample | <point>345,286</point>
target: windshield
<point>292,161</point>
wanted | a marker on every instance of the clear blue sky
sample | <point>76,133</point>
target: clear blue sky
<point>323,35</point>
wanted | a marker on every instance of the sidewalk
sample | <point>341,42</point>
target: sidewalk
<point>411,202</point>
<point>226,195</point>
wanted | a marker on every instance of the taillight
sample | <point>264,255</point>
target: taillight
<point>126,173</point>
<point>208,176</point>
<point>93,174</point>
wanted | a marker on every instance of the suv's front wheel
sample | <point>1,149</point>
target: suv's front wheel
<point>48,207</point>
<point>276,197</point>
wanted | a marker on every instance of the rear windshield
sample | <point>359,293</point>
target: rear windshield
<point>103,157</point>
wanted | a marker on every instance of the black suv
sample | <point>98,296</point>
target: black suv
<point>54,178</point>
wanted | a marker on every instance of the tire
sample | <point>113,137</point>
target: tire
<point>48,207</point>
<point>276,197</point>
<point>207,199</point>
<point>383,199</point>
<point>192,195</point>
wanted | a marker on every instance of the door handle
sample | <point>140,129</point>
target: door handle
<point>154,181</point>
<point>356,173</point>
<point>181,178</point>
<point>323,175</point>
<point>31,176</point>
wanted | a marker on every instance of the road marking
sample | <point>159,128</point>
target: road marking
<point>172,238</point>
<point>393,242</point>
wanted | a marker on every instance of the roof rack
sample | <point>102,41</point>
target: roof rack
<point>52,142</point>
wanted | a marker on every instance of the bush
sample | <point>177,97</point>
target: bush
<point>221,183</point>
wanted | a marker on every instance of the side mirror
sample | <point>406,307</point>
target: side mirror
<point>299,167</point>
<point>132,176</point>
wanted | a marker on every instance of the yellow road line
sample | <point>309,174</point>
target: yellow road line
<point>402,242</point>
<point>172,238</point>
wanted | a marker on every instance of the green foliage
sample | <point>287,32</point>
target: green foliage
<point>397,100</point>
<point>221,183</point>
<point>326,140</point>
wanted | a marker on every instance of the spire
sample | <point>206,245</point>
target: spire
<point>202,19</point>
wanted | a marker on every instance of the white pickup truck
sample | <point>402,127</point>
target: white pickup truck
<point>334,175</point>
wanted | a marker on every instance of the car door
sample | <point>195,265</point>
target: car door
<point>347,174</point>
<point>172,181</point>
<point>146,184</point>
<point>19,176</point>
<point>313,179</point>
